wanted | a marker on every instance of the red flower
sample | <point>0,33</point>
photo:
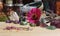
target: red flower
<point>34,15</point>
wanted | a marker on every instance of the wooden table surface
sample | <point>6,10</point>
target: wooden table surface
<point>37,31</point>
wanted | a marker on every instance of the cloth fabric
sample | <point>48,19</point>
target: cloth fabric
<point>49,4</point>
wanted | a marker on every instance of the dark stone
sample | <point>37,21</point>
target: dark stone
<point>56,23</point>
<point>8,21</point>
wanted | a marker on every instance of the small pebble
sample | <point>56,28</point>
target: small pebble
<point>32,25</point>
<point>51,27</point>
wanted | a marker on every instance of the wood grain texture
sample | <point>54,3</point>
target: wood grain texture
<point>58,7</point>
